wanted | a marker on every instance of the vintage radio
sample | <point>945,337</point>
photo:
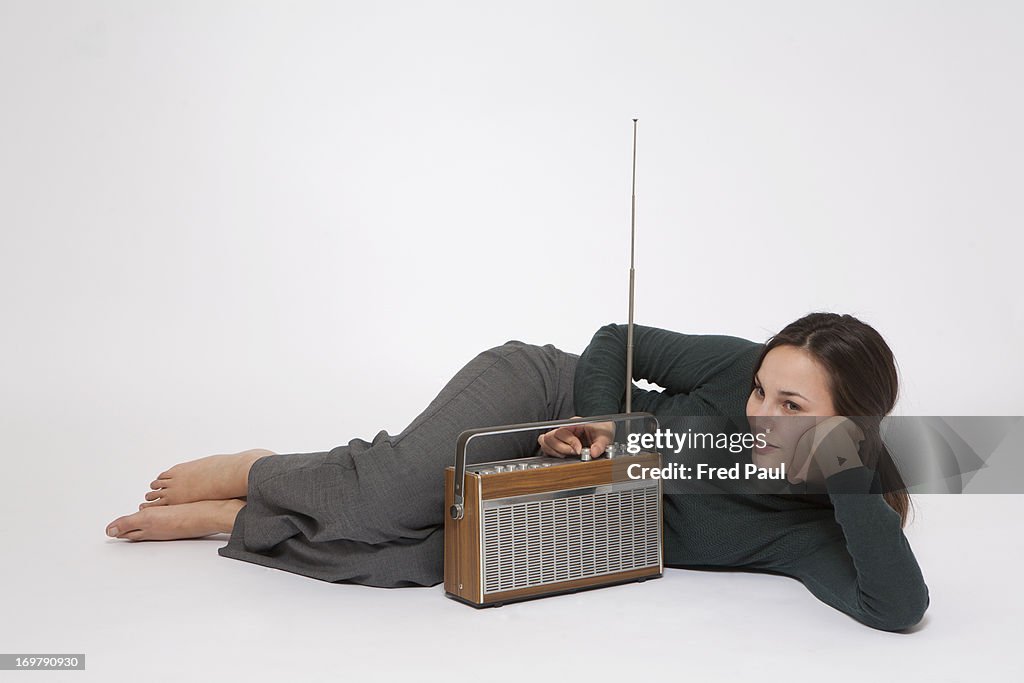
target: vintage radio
<point>531,527</point>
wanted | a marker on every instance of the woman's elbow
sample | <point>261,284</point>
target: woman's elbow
<point>903,614</point>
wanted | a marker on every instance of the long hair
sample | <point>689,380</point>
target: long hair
<point>864,385</point>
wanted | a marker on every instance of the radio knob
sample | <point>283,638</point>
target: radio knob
<point>523,466</point>
<point>584,454</point>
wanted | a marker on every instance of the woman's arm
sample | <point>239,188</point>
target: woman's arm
<point>863,565</point>
<point>681,363</point>
<point>868,569</point>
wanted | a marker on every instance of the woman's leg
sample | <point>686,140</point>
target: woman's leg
<point>369,512</point>
<point>372,512</point>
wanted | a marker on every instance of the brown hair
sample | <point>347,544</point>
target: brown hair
<point>863,381</point>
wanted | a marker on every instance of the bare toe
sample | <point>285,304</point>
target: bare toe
<point>128,526</point>
<point>157,484</point>
<point>153,495</point>
<point>123,525</point>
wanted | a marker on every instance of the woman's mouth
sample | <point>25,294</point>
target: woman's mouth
<point>767,449</point>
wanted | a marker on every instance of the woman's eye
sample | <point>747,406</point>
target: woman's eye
<point>759,391</point>
<point>792,406</point>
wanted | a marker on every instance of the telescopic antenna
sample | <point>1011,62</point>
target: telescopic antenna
<point>629,327</point>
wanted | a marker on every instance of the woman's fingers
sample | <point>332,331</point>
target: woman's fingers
<point>853,429</point>
<point>566,441</point>
<point>802,456</point>
<point>553,448</point>
<point>837,445</point>
<point>831,443</point>
<point>560,442</point>
<point>545,448</point>
<point>601,435</point>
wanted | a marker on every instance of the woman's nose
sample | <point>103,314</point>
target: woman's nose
<point>760,420</point>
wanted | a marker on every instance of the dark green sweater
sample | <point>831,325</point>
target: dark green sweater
<point>849,550</point>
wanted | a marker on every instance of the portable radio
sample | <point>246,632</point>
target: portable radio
<point>537,526</point>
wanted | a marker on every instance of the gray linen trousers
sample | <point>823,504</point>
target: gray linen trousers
<point>373,512</point>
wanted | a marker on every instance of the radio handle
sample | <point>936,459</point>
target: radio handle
<point>462,443</point>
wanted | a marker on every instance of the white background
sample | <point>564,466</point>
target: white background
<point>230,225</point>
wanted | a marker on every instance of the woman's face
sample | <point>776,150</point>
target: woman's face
<point>791,393</point>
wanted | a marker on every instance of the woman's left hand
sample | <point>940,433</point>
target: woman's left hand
<point>832,444</point>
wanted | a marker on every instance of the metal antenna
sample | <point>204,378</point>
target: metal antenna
<point>629,328</point>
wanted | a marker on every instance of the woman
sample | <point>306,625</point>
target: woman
<point>372,512</point>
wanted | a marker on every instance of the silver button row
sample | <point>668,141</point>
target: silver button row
<point>516,467</point>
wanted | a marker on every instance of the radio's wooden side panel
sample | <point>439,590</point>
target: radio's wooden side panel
<point>461,541</point>
<point>451,540</point>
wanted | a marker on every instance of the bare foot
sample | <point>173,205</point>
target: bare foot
<point>215,477</point>
<point>168,522</point>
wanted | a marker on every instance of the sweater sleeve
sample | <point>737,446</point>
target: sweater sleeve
<point>683,364</point>
<point>868,570</point>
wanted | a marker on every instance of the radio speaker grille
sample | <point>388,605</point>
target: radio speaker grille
<point>570,537</point>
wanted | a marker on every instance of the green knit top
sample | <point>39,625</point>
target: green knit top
<point>847,547</point>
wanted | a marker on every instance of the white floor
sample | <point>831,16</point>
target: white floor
<point>167,611</point>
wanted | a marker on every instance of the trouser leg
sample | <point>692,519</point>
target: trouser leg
<point>372,512</point>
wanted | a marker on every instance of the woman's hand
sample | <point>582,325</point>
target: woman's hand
<point>832,445</point>
<point>568,440</point>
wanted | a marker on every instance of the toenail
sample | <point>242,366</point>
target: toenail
<point>112,531</point>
